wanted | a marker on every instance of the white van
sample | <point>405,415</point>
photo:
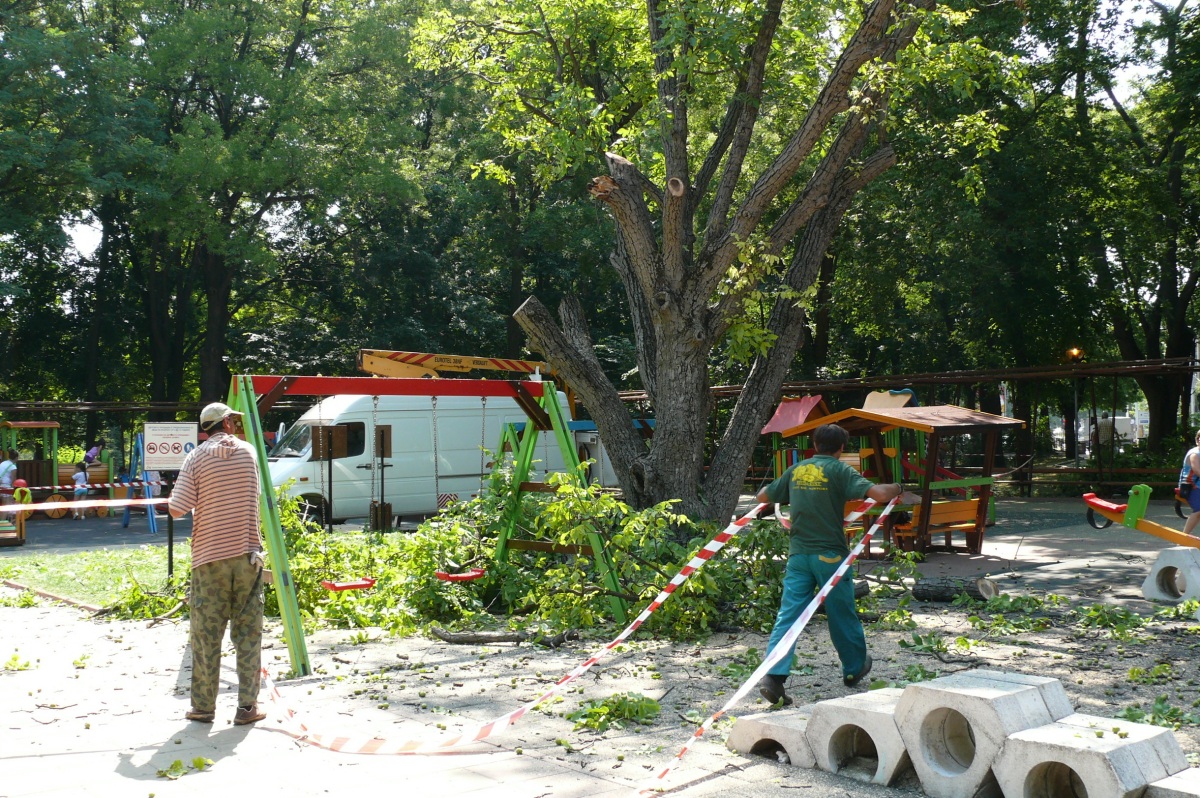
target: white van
<point>465,427</point>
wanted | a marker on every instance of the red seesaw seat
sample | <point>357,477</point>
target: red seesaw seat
<point>1101,504</point>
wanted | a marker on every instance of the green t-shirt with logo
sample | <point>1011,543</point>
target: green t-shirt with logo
<point>816,491</point>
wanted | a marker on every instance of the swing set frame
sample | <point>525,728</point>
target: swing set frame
<point>253,395</point>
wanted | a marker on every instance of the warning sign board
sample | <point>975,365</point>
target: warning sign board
<point>167,444</point>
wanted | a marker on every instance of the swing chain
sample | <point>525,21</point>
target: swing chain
<point>482,439</point>
<point>326,441</point>
<point>375,447</point>
<point>437,483</point>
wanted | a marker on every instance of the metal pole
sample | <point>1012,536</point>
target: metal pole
<point>1075,421</point>
<point>170,542</point>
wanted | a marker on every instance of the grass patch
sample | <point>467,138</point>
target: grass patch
<point>96,577</point>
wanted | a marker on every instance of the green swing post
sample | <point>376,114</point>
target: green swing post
<point>523,462</point>
<point>242,399</point>
<point>522,459</point>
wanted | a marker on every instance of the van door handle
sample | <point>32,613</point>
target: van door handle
<point>367,466</point>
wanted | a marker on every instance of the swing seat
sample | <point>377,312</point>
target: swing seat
<point>357,584</point>
<point>466,576</point>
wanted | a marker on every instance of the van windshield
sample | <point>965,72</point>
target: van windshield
<point>294,443</point>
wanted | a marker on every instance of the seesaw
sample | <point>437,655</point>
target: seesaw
<point>1133,515</point>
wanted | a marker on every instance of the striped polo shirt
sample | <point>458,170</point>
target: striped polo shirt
<point>219,485</point>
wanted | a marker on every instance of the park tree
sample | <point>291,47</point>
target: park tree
<point>1082,217</point>
<point>735,138</point>
<point>935,273</point>
<point>46,114</point>
<point>206,127</point>
<point>1146,246</point>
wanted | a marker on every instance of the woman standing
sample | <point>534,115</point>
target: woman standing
<point>1188,476</point>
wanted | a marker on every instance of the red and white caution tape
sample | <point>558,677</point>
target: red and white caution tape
<point>782,649</point>
<point>374,745</point>
<point>134,484</point>
<point>79,505</point>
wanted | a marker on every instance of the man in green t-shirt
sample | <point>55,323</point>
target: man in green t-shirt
<point>816,491</point>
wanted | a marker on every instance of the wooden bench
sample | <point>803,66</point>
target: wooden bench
<point>945,517</point>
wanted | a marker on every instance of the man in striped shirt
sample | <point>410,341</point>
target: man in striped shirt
<point>219,485</point>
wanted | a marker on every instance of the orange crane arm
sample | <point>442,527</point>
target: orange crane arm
<point>387,363</point>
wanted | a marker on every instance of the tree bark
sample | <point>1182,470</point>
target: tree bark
<point>218,290</point>
<point>581,369</point>
<point>948,588</point>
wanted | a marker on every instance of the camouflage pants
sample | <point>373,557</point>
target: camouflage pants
<point>226,592</point>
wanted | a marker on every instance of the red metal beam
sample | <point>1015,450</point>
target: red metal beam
<point>389,386</point>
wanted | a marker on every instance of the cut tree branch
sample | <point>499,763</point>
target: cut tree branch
<point>490,638</point>
<point>747,116</point>
<point>621,191</point>
<point>574,357</point>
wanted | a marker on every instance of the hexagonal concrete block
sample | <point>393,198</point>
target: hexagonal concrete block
<point>769,731</point>
<point>1175,575</point>
<point>954,727</point>
<point>857,737</point>
<point>1087,755</point>
<point>1185,784</point>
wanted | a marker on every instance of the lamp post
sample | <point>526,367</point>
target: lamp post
<point>1075,357</point>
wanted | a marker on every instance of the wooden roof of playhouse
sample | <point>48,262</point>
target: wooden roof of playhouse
<point>942,419</point>
<point>28,425</point>
<point>794,410</point>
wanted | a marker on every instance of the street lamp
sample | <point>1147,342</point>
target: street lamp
<point>1075,357</point>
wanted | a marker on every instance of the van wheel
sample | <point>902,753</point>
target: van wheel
<point>312,508</point>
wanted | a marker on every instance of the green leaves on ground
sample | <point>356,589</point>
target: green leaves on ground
<point>24,599</point>
<point>615,712</point>
<point>178,769</point>
<point>1160,713</point>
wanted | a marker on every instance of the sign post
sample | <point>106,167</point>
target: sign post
<point>167,445</point>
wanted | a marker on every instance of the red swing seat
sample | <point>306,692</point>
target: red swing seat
<point>466,576</point>
<point>356,584</point>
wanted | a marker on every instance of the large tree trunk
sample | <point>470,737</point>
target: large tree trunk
<point>101,314</point>
<point>218,290</point>
<point>680,301</point>
<point>1162,402</point>
<point>166,302</point>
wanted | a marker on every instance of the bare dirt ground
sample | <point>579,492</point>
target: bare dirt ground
<point>109,697</point>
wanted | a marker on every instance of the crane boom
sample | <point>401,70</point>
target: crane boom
<point>387,363</point>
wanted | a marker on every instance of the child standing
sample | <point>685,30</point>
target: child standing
<point>81,477</point>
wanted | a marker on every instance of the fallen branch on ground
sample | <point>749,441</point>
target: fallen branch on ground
<point>487,638</point>
<point>166,615</point>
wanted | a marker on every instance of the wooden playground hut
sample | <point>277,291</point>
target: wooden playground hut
<point>937,512</point>
<point>792,412</point>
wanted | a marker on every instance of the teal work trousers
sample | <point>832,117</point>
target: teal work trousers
<point>805,575</point>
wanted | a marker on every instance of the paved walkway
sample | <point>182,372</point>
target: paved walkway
<point>66,534</point>
<point>1047,545</point>
<point>99,712</point>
